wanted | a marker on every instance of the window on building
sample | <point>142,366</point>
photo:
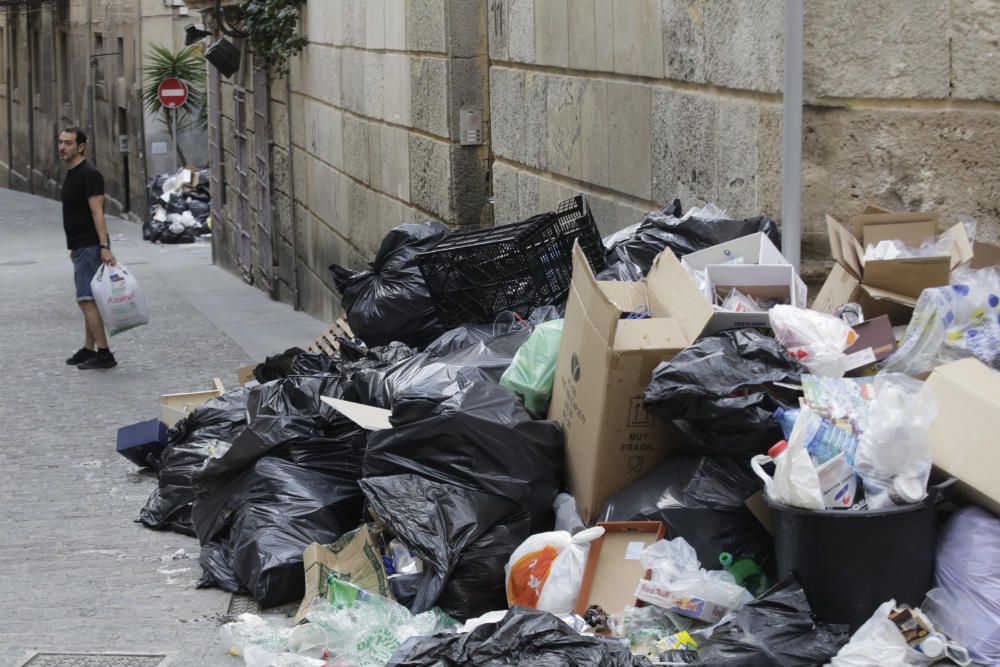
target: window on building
<point>13,55</point>
<point>98,61</point>
<point>64,67</point>
<point>36,62</point>
<point>120,58</point>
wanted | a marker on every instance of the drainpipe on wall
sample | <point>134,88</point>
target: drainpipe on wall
<point>10,108</point>
<point>141,131</point>
<point>296,301</point>
<point>91,93</point>
<point>31,109</point>
<point>791,139</point>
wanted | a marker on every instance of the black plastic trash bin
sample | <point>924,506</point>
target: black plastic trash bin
<point>850,562</point>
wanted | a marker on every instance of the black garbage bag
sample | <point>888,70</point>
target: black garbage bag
<point>702,500</point>
<point>254,529</point>
<point>199,209</point>
<point>664,229</point>
<point>719,393</point>
<point>481,439</point>
<point>524,636</point>
<point>463,536</point>
<point>191,442</point>
<point>437,374</point>
<point>776,629</point>
<point>390,301</point>
<point>294,361</point>
<point>288,419</point>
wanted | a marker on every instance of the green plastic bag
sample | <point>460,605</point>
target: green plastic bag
<point>534,366</point>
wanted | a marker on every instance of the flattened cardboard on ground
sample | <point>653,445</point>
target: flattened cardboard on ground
<point>174,407</point>
<point>354,558</point>
<point>752,249</point>
<point>613,566</point>
<point>604,365</point>
<point>963,435</point>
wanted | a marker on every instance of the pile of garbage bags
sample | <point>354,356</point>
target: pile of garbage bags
<point>180,207</point>
<point>793,521</point>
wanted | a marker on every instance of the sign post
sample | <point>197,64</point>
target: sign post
<point>173,93</point>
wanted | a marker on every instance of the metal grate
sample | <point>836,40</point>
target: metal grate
<point>95,660</point>
<point>244,604</point>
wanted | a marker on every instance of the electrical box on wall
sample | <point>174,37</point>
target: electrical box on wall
<point>123,143</point>
<point>470,127</point>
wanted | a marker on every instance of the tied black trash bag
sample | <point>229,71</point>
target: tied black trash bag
<point>192,441</point>
<point>481,439</point>
<point>254,529</point>
<point>700,499</point>
<point>631,257</point>
<point>719,393</point>
<point>463,536</point>
<point>390,302</point>
<point>294,361</point>
<point>523,637</point>
<point>776,629</point>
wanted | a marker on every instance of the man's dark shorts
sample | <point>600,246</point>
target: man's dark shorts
<point>86,261</point>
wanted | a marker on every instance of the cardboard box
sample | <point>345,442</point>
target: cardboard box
<point>685,605</point>
<point>887,287</point>
<point>354,558</point>
<point>613,565</point>
<point>174,407</point>
<point>752,249</point>
<point>244,374</point>
<point>778,281</point>
<point>604,365</point>
<point>963,434</point>
<point>142,443</point>
<point>367,417</point>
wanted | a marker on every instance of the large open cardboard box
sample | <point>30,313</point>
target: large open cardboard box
<point>887,287</point>
<point>963,435</point>
<point>604,365</point>
<point>174,407</point>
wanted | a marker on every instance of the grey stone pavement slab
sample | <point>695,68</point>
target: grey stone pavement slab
<point>77,573</point>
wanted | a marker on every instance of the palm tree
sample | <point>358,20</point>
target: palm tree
<point>188,65</point>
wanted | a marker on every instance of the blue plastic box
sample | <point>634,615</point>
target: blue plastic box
<point>143,443</point>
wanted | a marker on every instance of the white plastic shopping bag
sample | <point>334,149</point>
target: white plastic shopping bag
<point>118,298</point>
<point>546,571</point>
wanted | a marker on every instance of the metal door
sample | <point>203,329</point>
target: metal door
<point>262,169</point>
<point>242,187</point>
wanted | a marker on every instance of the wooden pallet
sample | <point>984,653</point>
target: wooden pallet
<point>327,342</point>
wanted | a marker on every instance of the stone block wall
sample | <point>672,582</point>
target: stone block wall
<point>639,101</point>
<point>374,111</point>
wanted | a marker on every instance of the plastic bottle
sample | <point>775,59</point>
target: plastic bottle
<point>824,440</point>
<point>786,418</point>
<point>746,572</point>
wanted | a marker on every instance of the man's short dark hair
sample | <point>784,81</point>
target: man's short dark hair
<point>81,136</point>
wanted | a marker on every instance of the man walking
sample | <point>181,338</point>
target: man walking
<point>88,242</point>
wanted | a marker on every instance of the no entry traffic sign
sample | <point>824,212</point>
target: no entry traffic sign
<point>172,92</point>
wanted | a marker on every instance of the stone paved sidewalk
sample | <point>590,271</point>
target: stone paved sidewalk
<point>76,572</point>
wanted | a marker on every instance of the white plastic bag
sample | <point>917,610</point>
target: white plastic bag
<point>676,568</point>
<point>816,339</point>
<point>966,603</point>
<point>546,570</point>
<point>951,323</point>
<point>894,455</point>
<point>795,482</point>
<point>877,643</point>
<point>119,299</point>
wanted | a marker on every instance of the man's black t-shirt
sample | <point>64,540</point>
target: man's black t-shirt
<point>82,182</point>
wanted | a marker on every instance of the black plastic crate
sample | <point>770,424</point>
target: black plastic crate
<point>475,276</point>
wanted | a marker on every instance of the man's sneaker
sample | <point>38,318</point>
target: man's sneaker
<point>82,355</point>
<point>101,359</point>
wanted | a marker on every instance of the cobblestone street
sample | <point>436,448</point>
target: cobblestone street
<point>77,573</point>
